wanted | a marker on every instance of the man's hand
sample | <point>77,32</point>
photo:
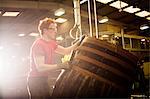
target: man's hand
<point>65,65</point>
<point>79,41</point>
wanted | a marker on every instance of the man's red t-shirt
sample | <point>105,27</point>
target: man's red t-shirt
<point>44,48</point>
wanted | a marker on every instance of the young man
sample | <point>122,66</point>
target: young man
<point>41,61</point>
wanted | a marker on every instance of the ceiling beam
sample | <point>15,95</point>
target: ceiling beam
<point>122,17</point>
<point>27,4</point>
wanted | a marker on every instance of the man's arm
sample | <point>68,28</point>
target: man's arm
<point>66,50</point>
<point>41,66</point>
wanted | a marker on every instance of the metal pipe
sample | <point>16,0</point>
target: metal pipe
<point>130,43</point>
<point>90,23</point>
<point>95,19</point>
<point>122,36</point>
<point>77,15</point>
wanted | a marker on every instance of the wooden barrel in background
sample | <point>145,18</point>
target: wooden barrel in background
<point>99,69</point>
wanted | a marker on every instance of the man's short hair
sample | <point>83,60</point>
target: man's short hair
<point>45,24</point>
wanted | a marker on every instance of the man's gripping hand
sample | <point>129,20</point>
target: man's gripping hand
<point>65,65</point>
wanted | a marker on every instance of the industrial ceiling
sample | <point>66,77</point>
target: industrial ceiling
<point>34,10</point>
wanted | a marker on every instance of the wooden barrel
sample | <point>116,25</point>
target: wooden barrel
<point>99,69</point>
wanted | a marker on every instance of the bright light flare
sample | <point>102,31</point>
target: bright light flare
<point>11,67</point>
<point>1,47</point>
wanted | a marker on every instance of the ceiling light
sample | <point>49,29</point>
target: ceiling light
<point>117,37</point>
<point>118,4</point>
<point>59,38</point>
<point>104,1</point>
<point>105,35</point>
<point>21,35</point>
<point>142,14</point>
<point>59,12</point>
<point>61,20</point>
<point>143,40</point>
<point>83,1</point>
<point>148,18</point>
<point>34,34</point>
<point>103,20</point>
<point>13,14</point>
<point>131,9</point>
<point>143,27</point>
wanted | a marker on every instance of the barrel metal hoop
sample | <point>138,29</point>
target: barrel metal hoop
<point>125,65</point>
<point>111,48</point>
<point>85,72</point>
<point>101,65</point>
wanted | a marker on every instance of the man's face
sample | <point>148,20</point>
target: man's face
<point>52,30</point>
